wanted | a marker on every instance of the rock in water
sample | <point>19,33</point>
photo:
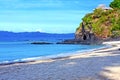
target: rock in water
<point>41,43</point>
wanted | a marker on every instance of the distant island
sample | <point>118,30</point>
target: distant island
<point>33,36</point>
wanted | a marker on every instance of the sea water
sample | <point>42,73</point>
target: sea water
<point>20,51</point>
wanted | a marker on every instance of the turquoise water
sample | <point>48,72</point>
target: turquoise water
<point>18,51</point>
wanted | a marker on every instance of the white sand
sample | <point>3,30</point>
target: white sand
<point>96,65</point>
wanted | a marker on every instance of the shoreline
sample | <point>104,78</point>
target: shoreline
<point>58,56</point>
<point>101,64</point>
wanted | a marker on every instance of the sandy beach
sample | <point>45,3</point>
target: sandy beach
<point>102,64</point>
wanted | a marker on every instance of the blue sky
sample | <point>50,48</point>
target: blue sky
<point>52,16</point>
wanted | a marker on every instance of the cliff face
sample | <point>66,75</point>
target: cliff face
<point>103,23</point>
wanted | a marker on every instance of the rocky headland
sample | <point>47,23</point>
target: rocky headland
<point>103,24</point>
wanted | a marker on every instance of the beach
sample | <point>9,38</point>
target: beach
<point>102,64</point>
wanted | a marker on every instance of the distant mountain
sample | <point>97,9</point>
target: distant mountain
<point>33,36</point>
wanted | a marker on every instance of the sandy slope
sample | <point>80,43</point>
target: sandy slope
<point>96,65</point>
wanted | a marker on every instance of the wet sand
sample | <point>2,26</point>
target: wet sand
<point>102,64</point>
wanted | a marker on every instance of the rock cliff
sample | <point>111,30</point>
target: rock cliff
<point>86,35</point>
<point>102,24</point>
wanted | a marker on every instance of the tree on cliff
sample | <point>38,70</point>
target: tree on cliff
<point>115,4</point>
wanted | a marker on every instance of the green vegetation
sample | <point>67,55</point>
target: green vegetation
<point>105,22</point>
<point>115,4</point>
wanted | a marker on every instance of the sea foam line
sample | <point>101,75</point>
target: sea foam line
<point>25,60</point>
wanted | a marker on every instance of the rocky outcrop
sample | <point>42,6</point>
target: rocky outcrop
<point>85,36</point>
<point>74,41</point>
<point>41,43</point>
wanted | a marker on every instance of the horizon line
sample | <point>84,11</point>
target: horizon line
<point>34,31</point>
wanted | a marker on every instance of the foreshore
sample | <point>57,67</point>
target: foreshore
<point>102,64</point>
